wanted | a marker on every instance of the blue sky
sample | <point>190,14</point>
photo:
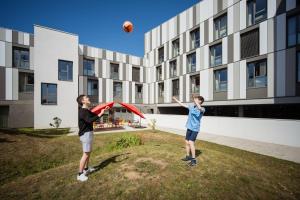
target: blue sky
<point>97,22</point>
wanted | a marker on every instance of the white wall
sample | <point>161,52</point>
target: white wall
<point>284,132</point>
<point>51,45</point>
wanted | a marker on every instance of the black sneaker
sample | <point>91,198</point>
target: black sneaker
<point>192,163</point>
<point>187,158</point>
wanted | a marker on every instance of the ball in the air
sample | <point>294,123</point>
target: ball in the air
<point>127,26</point>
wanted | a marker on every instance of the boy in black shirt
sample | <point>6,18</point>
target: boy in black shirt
<point>85,123</point>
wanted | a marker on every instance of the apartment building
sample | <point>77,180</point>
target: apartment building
<point>242,56</point>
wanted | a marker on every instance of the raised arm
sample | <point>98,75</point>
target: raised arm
<point>175,99</point>
<point>198,105</point>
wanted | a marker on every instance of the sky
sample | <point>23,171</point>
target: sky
<point>98,23</point>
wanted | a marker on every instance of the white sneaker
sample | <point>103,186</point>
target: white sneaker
<point>82,177</point>
<point>89,170</point>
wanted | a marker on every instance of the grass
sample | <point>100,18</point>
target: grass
<point>45,168</point>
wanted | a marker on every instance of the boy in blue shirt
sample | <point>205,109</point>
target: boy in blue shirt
<point>196,112</point>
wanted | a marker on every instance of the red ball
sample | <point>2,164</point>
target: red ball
<point>127,26</point>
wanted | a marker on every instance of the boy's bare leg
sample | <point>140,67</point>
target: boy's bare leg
<point>83,161</point>
<point>192,147</point>
<point>187,148</point>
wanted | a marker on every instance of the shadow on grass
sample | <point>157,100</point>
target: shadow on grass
<point>113,159</point>
<point>198,152</point>
<point>3,140</point>
<point>40,133</point>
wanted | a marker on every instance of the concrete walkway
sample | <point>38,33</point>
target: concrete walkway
<point>274,150</point>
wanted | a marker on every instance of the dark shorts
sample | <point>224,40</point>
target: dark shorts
<point>191,135</point>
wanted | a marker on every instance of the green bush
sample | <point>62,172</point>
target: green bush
<point>126,141</point>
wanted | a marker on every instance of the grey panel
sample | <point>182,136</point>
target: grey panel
<point>194,16</point>
<point>2,82</point>
<point>184,42</point>
<point>236,17</point>
<point>114,56</point>
<point>290,78</point>
<point>150,38</point>
<point>256,93</point>
<point>220,96</point>
<point>127,59</point>
<point>281,6</point>
<point>155,52</point>
<point>178,25</point>
<point>180,65</point>
<point>206,32</point>
<point>21,38</point>
<point>8,54</point>
<point>144,75</point>
<point>85,51</point>
<point>184,88</point>
<point>100,71</point>
<point>230,49</point>
<point>124,71</point>
<point>15,37</point>
<point>104,90</point>
<point>80,65</point>
<point>141,62</point>
<point>168,50</point>
<point>15,84</point>
<point>236,80</point>
<point>165,69</point>
<point>103,54</point>
<point>31,40</point>
<point>2,34</point>
<point>130,92</point>
<point>220,5</point>
<point>21,115</point>
<point>160,34</point>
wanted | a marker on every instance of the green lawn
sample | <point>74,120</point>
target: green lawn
<point>43,165</point>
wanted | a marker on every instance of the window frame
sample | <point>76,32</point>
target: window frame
<point>138,70</point>
<point>190,66</point>
<point>297,28</point>
<point>66,61</point>
<point>136,91</point>
<point>195,43</point>
<point>159,78</point>
<point>176,41</point>
<point>93,70</point>
<point>112,72</point>
<point>218,22</point>
<point>13,56</point>
<point>172,68</point>
<point>161,58</point>
<point>56,103</point>
<point>210,53</point>
<point>161,90</point>
<point>178,89</point>
<point>94,81</point>
<point>194,77</point>
<point>121,84</point>
<point>254,21</point>
<point>297,67</point>
<point>26,74</point>
<point>254,76</point>
<point>215,80</point>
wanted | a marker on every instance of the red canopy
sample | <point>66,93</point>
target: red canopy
<point>132,108</point>
<point>100,107</point>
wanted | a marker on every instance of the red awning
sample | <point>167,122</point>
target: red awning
<point>132,108</point>
<point>100,107</point>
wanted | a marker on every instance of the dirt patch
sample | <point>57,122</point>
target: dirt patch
<point>162,164</point>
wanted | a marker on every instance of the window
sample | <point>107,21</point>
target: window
<point>20,57</point>
<point>114,71</point>
<point>65,70</point>
<point>88,67</point>
<point>250,44</point>
<point>117,90</point>
<point>173,68</point>
<point>293,30</point>
<point>191,62</point>
<point>26,82</point>
<point>158,73</point>
<point>175,87</point>
<point>92,89</point>
<point>161,55</point>
<point>298,66</point>
<point>161,90</point>
<point>256,11</point>
<point>216,55</point>
<point>221,80</point>
<point>220,27</point>
<point>48,94</point>
<point>195,38</point>
<point>195,84</point>
<point>175,48</point>
<point>138,91</point>
<point>257,74</point>
<point>136,74</point>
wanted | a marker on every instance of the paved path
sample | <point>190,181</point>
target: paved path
<point>274,150</point>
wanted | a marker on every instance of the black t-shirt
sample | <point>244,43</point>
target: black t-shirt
<point>85,120</point>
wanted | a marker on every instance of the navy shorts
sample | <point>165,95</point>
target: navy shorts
<point>191,135</point>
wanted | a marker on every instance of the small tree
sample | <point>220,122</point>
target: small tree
<point>152,124</point>
<point>56,122</point>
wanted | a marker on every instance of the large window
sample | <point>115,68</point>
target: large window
<point>257,74</point>
<point>175,87</point>
<point>20,57</point>
<point>117,90</point>
<point>138,91</point>
<point>195,84</point>
<point>161,55</point>
<point>65,70</point>
<point>160,90</point>
<point>173,68</point>
<point>191,62</point>
<point>220,27</point>
<point>195,38</point>
<point>26,82</point>
<point>298,66</point>
<point>114,71</point>
<point>250,44</point>
<point>48,94</point>
<point>136,74</point>
<point>175,48</point>
<point>216,55</point>
<point>221,80</point>
<point>158,73</point>
<point>92,87</point>
<point>88,67</point>
<point>293,30</point>
<point>256,11</point>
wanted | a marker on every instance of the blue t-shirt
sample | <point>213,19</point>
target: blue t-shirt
<point>194,118</point>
